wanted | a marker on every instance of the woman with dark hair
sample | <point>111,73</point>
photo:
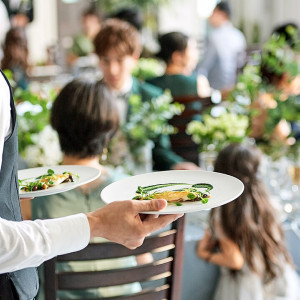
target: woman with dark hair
<point>85,117</point>
<point>15,55</point>
<point>179,52</point>
<point>245,237</point>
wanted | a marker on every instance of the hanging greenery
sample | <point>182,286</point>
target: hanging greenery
<point>112,5</point>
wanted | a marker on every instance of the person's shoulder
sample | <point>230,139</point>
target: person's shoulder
<point>237,32</point>
<point>145,89</point>
<point>154,80</point>
<point>52,206</point>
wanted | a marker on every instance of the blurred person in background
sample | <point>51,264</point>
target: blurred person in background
<point>118,46</point>
<point>20,11</point>
<point>15,56</point>
<point>179,52</point>
<point>225,50</point>
<point>131,15</point>
<point>83,43</point>
<point>246,238</point>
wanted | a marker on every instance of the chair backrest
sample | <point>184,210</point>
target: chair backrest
<point>182,143</point>
<point>161,279</point>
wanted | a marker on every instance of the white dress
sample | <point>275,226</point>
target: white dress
<point>247,285</point>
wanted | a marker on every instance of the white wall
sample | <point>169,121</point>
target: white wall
<point>181,15</point>
<point>267,13</point>
<point>42,32</point>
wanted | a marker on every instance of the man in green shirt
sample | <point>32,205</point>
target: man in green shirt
<point>118,46</point>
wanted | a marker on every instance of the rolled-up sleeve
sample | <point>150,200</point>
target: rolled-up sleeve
<point>29,243</point>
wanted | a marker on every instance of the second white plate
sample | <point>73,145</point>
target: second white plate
<point>225,188</point>
<point>86,175</point>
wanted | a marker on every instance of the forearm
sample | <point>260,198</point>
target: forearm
<point>29,243</point>
<point>235,262</point>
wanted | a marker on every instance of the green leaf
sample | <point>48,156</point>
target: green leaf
<point>191,196</point>
<point>50,172</point>
<point>205,200</point>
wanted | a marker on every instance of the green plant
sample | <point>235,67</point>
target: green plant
<point>218,131</point>
<point>148,68</point>
<point>278,59</point>
<point>111,5</point>
<point>149,119</point>
<point>35,136</point>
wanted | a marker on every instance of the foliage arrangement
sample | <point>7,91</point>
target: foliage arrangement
<point>111,5</point>
<point>38,143</point>
<point>214,133</point>
<point>148,68</point>
<point>278,57</point>
<point>149,119</point>
<point>131,147</point>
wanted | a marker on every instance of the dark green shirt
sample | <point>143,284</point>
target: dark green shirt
<point>179,85</point>
<point>82,45</point>
<point>164,158</point>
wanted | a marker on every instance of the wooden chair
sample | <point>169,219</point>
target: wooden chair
<point>182,143</point>
<point>161,279</point>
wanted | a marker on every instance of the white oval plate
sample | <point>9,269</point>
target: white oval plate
<point>225,188</point>
<point>86,175</point>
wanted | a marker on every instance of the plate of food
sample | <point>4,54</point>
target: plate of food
<point>44,181</point>
<point>185,191</point>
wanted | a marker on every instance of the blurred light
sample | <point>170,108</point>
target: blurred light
<point>205,7</point>
<point>217,111</point>
<point>70,1</point>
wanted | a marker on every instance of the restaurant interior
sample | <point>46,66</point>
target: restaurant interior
<point>152,88</point>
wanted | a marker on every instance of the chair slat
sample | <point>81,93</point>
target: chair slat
<point>113,250</point>
<point>81,280</point>
<point>164,272</point>
<point>149,294</point>
<point>160,292</point>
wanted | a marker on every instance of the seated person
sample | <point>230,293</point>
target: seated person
<point>118,46</point>
<point>179,52</point>
<point>15,56</point>
<point>85,118</point>
<point>83,43</point>
<point>245,237</point>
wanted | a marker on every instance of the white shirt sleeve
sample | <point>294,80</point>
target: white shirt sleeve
<point>29,243</point>
<point>5,23</point>
<point>5,119</point>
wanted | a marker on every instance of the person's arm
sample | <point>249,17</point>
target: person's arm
<point>121,222</point>
<point>203,86</point>
<point>29,243</point>
<point>229,254</point>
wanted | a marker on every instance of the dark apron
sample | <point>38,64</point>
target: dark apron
<point>22,284</point>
